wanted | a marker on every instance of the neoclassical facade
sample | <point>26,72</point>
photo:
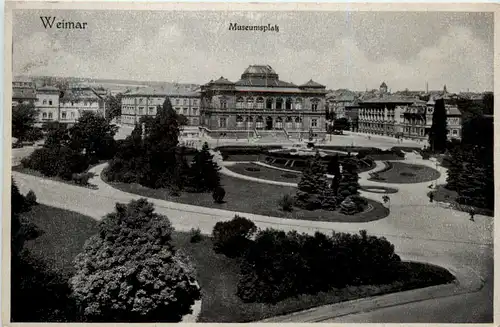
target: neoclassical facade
<point>260,103</point>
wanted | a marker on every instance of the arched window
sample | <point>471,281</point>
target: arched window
<point>279,122</point>
<point>260,103</point>
<point>239,121</point>
<point>44,101</point>
<point>259,122</point>
<point>240,103</point>
<point>288,105</point>
<point>249,121</point>
<point>279,103</point>
<point>250,103</point>
<point>298,123</point>
<point>269,103</point>
<point>298,104</point>
<point>289,122</point>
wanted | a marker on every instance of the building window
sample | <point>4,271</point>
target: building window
<point>185,101</point>
<point>223,103</point>
<point>44,101</point>
<point>250,103</point>
<point>141,100</point>
<point>314,123</point>
<point>44,115</point>
<point>279,103</point>
<point>151,110</point>
<point>195,102</point>
<point>177,101</point>
<point>240,103</point>
<point>298,123</point>
<point>314,107</point>
<point>298,104</point>
<point>195,111</point>
<point>289,122</point>
<point>72,115</point>
<point>260,103</point>
<point>141,110</point>
<point>279,122</point>
<point>249,122</point>
<point>454,132</point>
<point>50,115</point>
<point>185,111</point>
<point>288,104</point>
<point>239,121</point>
<point>63,115</point>
<point>50,102</point>
<point>259,122</point>
<point>269,103</point>
<point>222,122</point>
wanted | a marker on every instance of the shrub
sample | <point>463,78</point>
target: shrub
<point>31,198</point>
<point>218,194</point>
<point>286,202</point>
<point>279,265</point>
<point>82,178</point>
<point>56,161</point>
<point>130,272</point>
<point>232,238</point>
<point>195,235</point>
<point>328,200</point>
<point>360,202</point>
<point>348,206</point>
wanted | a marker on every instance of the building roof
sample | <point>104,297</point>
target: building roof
<point>453,111</point>
<point>23,93</point>
<point>222,81</point>
<point>391,99</point>
<point>383,85</point>
<point>78,94</point>
<point>162,92</point>
<point>48,88</point>
<point>22,79</point>
<point>269,89</point>
<point>265,82</point>
<point>259,71</point>
<point>312,84</point>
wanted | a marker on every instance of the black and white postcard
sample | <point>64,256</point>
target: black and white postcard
<point>248,163</point>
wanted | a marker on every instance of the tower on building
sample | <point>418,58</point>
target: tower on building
<point>383,88</point>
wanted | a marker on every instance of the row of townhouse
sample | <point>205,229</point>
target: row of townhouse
<point>53,104</point>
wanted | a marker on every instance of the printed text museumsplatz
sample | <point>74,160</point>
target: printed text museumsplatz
<point>257,28</point>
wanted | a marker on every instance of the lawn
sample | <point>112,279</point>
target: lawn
<point>253,197</point>
<point>254,170</point>
<point>66,232</point>
<point>442,194</point>
<point>403,173</point>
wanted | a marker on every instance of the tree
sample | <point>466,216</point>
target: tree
<point>312,184</point>
<point>233,237</point>
<point>334,169</point>
<point>438,132</point>
<point>113,106</point>
<point>93,134</point>
<point>348,184</point>
<point>341,124</point>
<point>488,103</point>
<point>23,119</point>
<point>130,271</point>
<point>204,172</point>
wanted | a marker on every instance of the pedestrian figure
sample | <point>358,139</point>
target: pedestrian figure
<point>472,213</point>
<point>431,196</point>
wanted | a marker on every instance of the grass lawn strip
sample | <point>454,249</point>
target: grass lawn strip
<point>65,233</point>
<point>403,173</point>
<point>442,194</point>
<point>253,197</point>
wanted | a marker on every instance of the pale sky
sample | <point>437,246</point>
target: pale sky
<point>354,50</point>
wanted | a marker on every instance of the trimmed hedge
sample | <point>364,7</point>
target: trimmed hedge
<point>279,265</point>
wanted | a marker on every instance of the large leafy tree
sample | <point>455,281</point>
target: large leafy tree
<point>130,271</point>
<point>113,106</point>
<point>204,171</point>
<point>23,120</point>
<point>438,132</point>
<point>334,169</point>
<point>94,135</point>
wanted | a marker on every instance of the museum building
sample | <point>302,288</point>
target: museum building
<point>260,104</point>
